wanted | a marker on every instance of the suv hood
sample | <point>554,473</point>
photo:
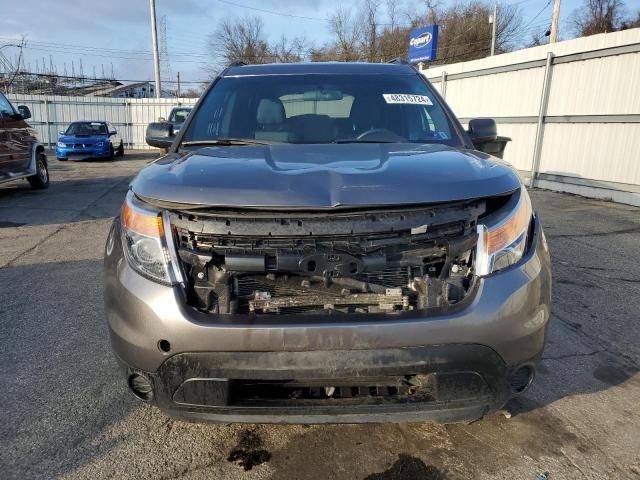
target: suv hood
<point>324,176</point>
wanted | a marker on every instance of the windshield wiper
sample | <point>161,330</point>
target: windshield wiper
<point>226,142</point>
<point>363,140</point>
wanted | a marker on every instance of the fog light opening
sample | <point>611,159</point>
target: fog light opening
<point>141,387</point>
<point>521,379</point>
<point>164,346</point>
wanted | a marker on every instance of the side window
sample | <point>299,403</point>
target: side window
<point>6,109</point>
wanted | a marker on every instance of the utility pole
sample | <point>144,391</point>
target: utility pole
<point>553,36</point>
<point>494,22</point>
<point>154,40</point>
<point>178,93</point>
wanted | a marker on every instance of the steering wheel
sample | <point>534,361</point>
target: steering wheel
<point>381,134</point>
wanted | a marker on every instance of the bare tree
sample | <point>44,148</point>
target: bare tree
<point>631,23</point>
<point>290,51</point>
<point>536,40</point>
<point>369,25</point>
<point>347,33</point>
<point>393,13</point>
<point>241,39</point>
<point>598,16</point>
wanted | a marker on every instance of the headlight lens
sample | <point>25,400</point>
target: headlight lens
<point>502,245</point>
<point>145,243</point>
<point>62,144</point>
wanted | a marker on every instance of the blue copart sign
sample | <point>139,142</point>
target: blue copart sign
<point>423,44</point>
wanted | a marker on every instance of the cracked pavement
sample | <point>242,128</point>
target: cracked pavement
<point>66,412</point>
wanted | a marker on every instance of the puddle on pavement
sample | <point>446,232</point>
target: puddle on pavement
<point>409,468</point>
<point>249,452</point>
<point>610,375</point>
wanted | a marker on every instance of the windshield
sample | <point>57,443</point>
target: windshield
<point>87,128</point>
<point>322,109</point>
<point>179,115</point>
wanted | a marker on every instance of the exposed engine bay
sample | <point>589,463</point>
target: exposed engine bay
<point>365,261</point>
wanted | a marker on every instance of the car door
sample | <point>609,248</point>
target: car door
<point>19,136</point>
<point>5,155</point>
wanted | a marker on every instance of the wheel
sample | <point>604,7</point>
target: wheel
<point>121,150</point>
<point>41,179</point>
<point>60,159</point>
<point>111,153</point>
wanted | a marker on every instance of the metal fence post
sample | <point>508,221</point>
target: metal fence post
<point>544,100</point>
<point>128,121</point>
<point>443,84</point>
<point>47,122</point>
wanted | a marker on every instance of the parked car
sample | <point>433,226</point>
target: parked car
<point>170,127</point>
<point>88,139</point>
<point>21,155</point>
<point>326,243</point>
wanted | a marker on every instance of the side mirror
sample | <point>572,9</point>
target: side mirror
<point>162,119</point>
<point>24,111</point>
<point>61,132</point>
<point>159,135</point>
<point>113,132</point>
<point>484,135</point>
<point>482,130</point>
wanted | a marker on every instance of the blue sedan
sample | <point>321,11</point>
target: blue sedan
<point>89,139</point>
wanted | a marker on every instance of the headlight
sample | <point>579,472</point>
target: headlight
<point>147,243</point>
<point>62,145</point>
<point>504,243</point>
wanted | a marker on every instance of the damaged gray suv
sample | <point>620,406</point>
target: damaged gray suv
<point>326,243</point>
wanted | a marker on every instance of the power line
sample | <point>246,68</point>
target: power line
<point>85,79</point>
<point>538,14</point>
<point>82,48</point>
<point>272,12</point>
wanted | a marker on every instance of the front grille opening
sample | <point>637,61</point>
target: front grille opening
<point>330,391</point>
<point>339,392</point>
<point>351,263</point>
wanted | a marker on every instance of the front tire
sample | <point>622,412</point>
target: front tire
<point>121,150</point>
<point>40,180</point>
<point>111,153</point>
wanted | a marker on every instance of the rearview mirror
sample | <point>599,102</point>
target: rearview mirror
<point>321,95</point>
<point>24,112</point>
<point>159,135</point>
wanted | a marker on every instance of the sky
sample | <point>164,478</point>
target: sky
<point>102,33</point>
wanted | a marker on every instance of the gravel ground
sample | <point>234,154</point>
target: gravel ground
<point>66,412</point>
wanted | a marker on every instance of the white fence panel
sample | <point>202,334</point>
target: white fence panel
<point>590,118</point>
<point>130,116</point>
<point>506,94</point>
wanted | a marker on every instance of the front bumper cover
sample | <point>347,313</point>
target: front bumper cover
<point>452,383</point>
<point>87,152</point>
<point>500,330</point>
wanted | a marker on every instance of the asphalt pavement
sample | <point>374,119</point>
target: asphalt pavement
<point>65,411</point>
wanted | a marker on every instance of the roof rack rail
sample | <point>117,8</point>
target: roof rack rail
<point>399,60</point>
<point>237,63</point>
